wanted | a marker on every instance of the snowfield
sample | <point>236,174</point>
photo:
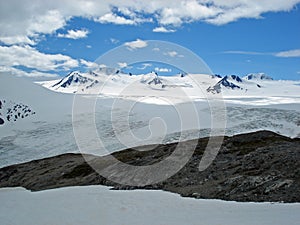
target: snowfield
<point>99,205</point>
<point>130,111</point>
<point>152,115</point>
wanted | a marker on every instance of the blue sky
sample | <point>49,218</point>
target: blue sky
<point>233,37</point>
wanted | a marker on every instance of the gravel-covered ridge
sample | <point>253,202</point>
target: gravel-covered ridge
<point>260,166</point>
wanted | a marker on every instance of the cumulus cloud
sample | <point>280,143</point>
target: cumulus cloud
<point>112,18</point>
<point>89,64</point>
<point>20,23</point>
<point>21,73</point>
<point>17,40</point>
<point>29,57</point>
<point>136,44</point>
<point>163,30</point>
<point>75,34</point>
<point>163,70</point>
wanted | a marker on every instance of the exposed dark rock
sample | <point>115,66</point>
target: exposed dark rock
<point>1,121</point>
<point>259,166</point>
<point>237,78</point>
<point>217,75</point>
<point>11,111</point>
<point>258,76</point>
<point>217,88</point>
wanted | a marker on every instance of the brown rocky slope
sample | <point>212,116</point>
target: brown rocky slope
<point>259,166</point>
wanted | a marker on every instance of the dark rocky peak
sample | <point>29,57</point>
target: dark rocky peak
<point>257,76</point>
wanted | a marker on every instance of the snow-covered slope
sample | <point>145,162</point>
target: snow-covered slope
<point>99,205</point>
<point>116,83</point>
<point>194,86</point>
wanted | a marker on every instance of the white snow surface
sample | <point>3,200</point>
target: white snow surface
<point>99,205</point>
<point>155,116</point>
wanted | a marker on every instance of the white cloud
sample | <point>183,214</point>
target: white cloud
<point>122,64</point>
<point>171,53</point>
<point>75,34</point>
<point>290,53</point>
<point>21,73</point>
<point>236,9</point>
<point>90,65</point>
<point>113,18</point>
<point>23,24</point>
<point>17,40</point>
<point>114,40</point>
<point>136,44</point>
<point>145,65</point>
<point>163,30</point>
<point>298,72</point>
<point>23,21</point>
<point>156,49</point>
<point>283,54</point>
<point>164,70</point>
<point>247,53</point>
<point>31,58</point>
<point>88,46</point>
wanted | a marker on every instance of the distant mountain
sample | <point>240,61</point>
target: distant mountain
<point>73,78</point>
<point>113,82</point>
<point>226,82</point>
<point>152,79</point>
<point>257,76</point>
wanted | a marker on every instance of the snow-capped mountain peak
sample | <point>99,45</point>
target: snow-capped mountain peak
<point>151,78</point>
<point>73,78</point>
<point>257,76</point>
<point>235,78</point>
<point>227,82</point>
<point>151,84</point>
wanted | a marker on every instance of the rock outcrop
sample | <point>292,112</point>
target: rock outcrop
<point>260,166</point>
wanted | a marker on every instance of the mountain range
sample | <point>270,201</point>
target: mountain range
<point>114,82</point>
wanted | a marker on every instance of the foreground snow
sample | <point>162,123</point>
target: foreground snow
<point>99,205</point>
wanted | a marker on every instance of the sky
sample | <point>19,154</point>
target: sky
<point>44,40</point>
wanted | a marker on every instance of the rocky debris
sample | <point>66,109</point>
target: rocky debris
<point>260,166</point>
<point>11,111</point>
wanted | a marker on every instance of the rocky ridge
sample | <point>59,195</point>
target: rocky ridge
<point>260,166</point>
